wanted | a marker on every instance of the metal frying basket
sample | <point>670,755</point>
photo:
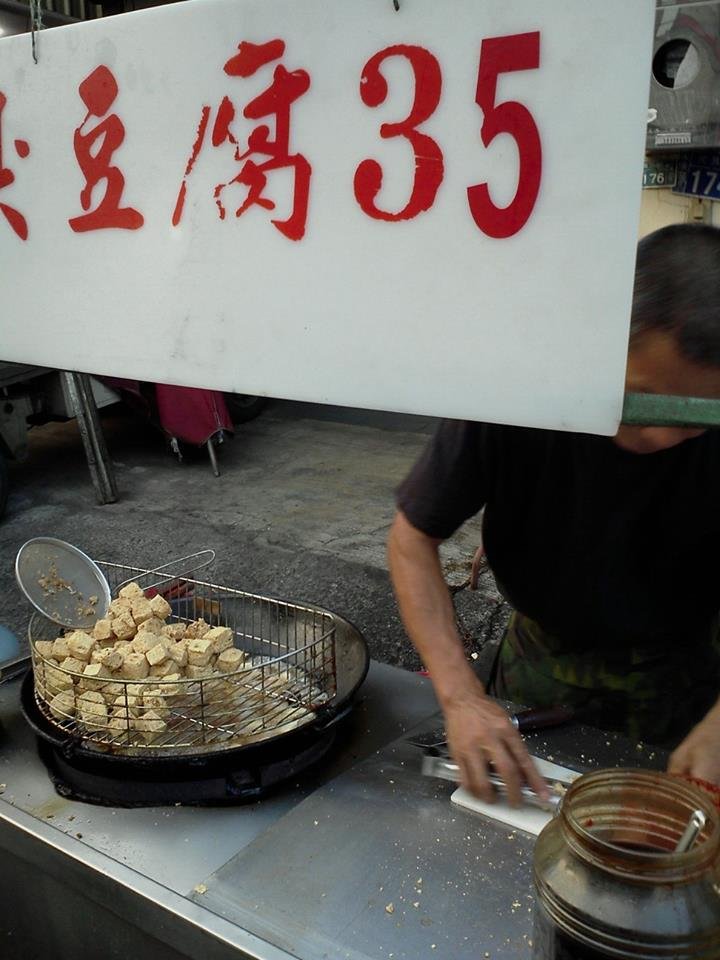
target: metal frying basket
<point>289,672</point>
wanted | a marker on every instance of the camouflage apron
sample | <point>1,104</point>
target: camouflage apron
<point>648,695</point>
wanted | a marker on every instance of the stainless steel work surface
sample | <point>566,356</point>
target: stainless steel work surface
<point>179,846</point>
<point>379,864</point>
<point>363,859</point>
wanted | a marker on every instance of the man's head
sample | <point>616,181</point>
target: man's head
<point>675,327</point>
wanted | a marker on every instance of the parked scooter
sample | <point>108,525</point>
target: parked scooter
<point>191,419</point>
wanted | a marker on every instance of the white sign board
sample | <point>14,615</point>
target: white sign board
<point>430,210</point>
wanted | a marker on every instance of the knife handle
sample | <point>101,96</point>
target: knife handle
<point>541,718</point>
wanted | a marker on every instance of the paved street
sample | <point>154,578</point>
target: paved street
<point>301,512</point>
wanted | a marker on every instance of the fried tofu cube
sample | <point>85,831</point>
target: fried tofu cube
<point>73,665</point>
<point>198,672</point>
<point>141,610</point>
<point>166,641</point>
<point>92,710</point>
<point>45,648</point>
<point>123,646</point>
<point>131,591</point>
<point>106,644</point>
<point>220,637</point>
<point>135,690</point>
<point>103,630</point>
<point>154,625</point>
<point>91,674</point>
<point>62,705</point>
<point>150,725</point>
<point>119,607</point>
<point>170,685</point>
<point>196,629</point>
<point>81,645</point>
<point>175,631</point>
<point>160,607</point>
<point>164,668</point>
<point>124,627</point>
<point>178,652</point>
<point>199,652</point>
<point>144,642</point>
<point>53,679</point>
<point>118,724</point>
<point>60,649</point>
<point>156,654</point>
<point>126,706</point>
<point>135,666</point>
<point>110,658</point>
<point>94,677</point>
<point>112,690</point>
<point>154,700</point>
<point>231,660</point>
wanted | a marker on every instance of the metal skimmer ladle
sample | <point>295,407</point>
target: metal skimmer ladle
<point>69,589</point>
<point>62,583</point>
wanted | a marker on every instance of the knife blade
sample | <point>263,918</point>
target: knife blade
<point>445,769</point>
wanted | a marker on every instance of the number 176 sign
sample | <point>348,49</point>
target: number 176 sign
<point>344,203</point>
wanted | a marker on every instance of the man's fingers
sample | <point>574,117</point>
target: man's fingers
<point>530,772</point>
<point>506,766</point>
<point>679,762</point>
<point>473,771</point>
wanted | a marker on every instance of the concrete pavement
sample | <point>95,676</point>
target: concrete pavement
<point>301,512</point>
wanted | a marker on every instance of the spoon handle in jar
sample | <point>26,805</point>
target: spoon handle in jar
<point>691,832</point>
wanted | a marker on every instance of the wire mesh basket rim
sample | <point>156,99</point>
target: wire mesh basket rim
<point>288,604</point>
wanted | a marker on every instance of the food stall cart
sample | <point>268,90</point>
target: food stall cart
<point>361,858</point>
<point>364,857</point>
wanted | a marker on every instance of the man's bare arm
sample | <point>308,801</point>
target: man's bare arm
<point>478,730</point>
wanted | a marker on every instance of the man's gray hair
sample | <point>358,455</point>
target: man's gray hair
<point>677,289</point>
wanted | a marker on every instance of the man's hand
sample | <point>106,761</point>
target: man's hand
<point>699,753</point>
<point>479,732</point>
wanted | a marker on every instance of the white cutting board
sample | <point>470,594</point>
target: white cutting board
<point>529,819</point>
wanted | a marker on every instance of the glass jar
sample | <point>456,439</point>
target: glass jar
<point>608,882</point>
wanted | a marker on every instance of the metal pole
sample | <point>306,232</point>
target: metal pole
<point>85,408</point>
<point>657,410</point>
<point>213,457</point>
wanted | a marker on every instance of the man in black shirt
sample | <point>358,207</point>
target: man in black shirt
<point>607,548</point>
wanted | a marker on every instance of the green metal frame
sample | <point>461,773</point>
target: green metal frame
<point>658,410</point>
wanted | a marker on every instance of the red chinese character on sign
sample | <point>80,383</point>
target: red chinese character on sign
<point>16,220</point>
<point>94,149</point>
<point>267,149</point>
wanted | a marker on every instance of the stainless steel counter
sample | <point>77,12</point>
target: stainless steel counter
<point>364,859</point>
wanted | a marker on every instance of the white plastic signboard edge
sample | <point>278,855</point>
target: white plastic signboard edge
<point>281,227</point>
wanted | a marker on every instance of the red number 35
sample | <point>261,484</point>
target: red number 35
<point>498,55</point>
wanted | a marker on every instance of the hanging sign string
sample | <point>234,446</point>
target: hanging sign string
<point>36,25</point>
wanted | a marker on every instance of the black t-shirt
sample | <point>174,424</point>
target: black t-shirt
<point>594,543</point>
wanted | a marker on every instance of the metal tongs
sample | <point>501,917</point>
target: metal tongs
<point>445,769</point>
